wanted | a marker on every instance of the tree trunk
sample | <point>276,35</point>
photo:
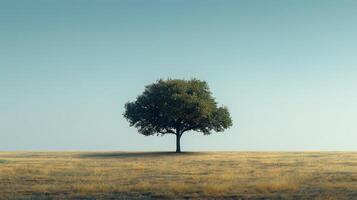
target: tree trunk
<point>178,146</point>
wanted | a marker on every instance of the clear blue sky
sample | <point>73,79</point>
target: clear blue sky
<point>286,69</point>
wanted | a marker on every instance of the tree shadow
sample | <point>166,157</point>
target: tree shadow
<point>135,154</point>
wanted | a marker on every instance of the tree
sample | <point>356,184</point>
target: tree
<point>175,106</point>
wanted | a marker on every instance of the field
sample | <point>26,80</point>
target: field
<point>164,175</point>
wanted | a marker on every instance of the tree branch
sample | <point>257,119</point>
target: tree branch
<point>167,132</point>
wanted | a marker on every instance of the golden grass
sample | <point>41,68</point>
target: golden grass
<point>213,175</point>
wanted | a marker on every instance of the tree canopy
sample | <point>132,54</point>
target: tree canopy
<point>175,106</point>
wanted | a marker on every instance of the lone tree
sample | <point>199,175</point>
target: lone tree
<point>175,106</point>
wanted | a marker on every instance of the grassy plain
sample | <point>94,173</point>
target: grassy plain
<point>192,175</point>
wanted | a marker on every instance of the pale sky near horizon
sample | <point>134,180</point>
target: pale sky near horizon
<point>286,69</point>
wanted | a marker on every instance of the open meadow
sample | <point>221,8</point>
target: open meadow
<point>191,175</point>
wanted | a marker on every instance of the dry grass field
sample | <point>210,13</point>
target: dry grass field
<point>200,175</point>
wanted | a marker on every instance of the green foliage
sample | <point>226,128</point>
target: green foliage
<point>3,161</point>
<point>174,106</point>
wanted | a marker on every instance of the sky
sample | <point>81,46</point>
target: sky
<point>286,69</point>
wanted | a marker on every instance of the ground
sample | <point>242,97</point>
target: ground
<point>191,175</point>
